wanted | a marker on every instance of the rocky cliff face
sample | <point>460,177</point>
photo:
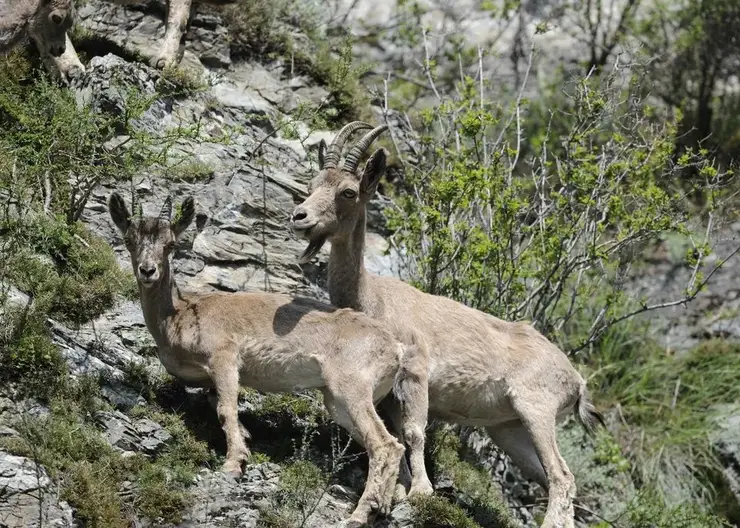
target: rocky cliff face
<point>241,242</point>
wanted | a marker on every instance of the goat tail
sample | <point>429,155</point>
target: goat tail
<point>587,414</point>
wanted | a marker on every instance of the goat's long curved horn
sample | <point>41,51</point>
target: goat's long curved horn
<point>166,212</point>
<point>331,159</point>
<point>354,155</point>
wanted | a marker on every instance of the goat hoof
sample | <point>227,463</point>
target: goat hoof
<point>233,468</point>
<point>420,490</point>
<point>162,61</point>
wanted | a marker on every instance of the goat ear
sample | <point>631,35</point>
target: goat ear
<point>184,216</point>
<point>118,212</point>
<point>374,169</point>
<point>322,153</point>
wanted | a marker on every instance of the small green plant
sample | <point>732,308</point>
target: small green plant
<point>435,511</point>
<point>469,480</point>
<point>302,484</point>
<point>609,452</point>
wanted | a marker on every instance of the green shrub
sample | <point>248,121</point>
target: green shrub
<point>302,484</point>
<point>471,481</point>
<point>28,357</point>
<point>71,274</point>
<point>540,238</point>
<point>434,511</point>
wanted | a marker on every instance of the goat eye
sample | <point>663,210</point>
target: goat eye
<point>349,193</point>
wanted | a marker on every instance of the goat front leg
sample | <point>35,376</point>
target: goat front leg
<point>178,13</point>
<point>225,373</point>
<point>67,65</point>
<point>212,397</point>
<point>356,413</point>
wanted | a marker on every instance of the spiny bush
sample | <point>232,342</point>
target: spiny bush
<point>540,238</point>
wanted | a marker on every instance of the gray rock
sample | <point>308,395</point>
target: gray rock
<point>138,29</point>
<point>27,496</point>
<point>143,436</point>
<point>220,500</point>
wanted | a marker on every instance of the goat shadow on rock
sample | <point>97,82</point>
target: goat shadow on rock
<point>279,434</point>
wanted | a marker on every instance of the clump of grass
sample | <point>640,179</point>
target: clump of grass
<point>92,473</point>
<point>434,511</point>
<point>669,404</point>
<point>178,81</point>
<point>76,454</point>
<point>292,406</point>
<point>475,483</point>
<point>649,510</point>
<point>190,172</point>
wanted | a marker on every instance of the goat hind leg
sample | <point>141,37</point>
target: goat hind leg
<point>539,420</point>
<point>389,409</point>
<point>412,390</point>
<point>514,440</point>
<point>410,418</point>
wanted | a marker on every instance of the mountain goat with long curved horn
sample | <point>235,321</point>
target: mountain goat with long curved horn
<point>506,377</point>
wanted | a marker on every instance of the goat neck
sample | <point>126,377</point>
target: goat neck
<point>348,279</point>
<point>159,303</point>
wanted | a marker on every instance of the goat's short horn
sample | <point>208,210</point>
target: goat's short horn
<point>166,212</point>
<point>136,208</point>
<point>331,159</point>
<point>354,155</point>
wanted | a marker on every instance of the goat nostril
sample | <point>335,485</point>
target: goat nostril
<point>57,19</point>
<point>147,272</point>
<point>299,215</point>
